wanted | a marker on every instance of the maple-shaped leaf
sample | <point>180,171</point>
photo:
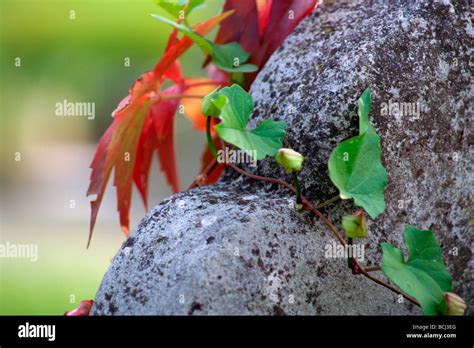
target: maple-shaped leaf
<point>82,310</point>
<point>117,148</point>
<point>233,106</point>
<point>125,147</point>
<point>158,134</point>
<point>260,26</point>
<point>423,275</point>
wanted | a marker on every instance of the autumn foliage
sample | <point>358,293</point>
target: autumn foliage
<point>143,121</point>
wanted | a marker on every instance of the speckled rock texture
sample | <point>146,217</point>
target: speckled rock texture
<point>230,250</point>
<point>238,247</point>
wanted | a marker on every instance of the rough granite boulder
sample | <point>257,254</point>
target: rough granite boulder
<point>239,247</point>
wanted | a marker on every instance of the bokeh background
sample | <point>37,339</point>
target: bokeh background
<point>80,60</point>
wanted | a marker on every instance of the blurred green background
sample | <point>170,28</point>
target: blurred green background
<point>81,60</point>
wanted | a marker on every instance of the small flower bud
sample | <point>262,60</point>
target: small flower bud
<point>456,305</point>
<point>355,226</point>
<point>208,105</point>
<point>289,159</point>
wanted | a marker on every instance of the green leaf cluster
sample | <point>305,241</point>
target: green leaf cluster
<point>233,106</point>
<point>229,57</point>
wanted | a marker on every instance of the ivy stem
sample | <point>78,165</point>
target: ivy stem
<point>205,173</point>
<point>294,176</point>
<point>328,202</point>
<point>372,269</point>
<point>210,143</point>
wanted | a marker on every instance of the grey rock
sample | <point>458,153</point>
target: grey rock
<point>230,250</point>
<point>238,247</point>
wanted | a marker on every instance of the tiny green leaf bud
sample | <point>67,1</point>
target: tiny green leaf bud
<point>289,159</point>
<point>456,305</point>
<point>355,226</point>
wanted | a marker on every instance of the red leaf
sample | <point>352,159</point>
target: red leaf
<point>167,159</point>
<point>146,146</point>
<point>263,9</point>
<point>158,134</point>
<point>162,114</point>
<point>260,26</point>
<point>81,311</point>
<point>124,147</point>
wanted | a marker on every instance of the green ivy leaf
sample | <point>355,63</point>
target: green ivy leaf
<point>424,275</point>
<point>355,165</point>
<point>224,57</point>
<point>233,106</point>
<point>228,57</point>
<point>174,7</point>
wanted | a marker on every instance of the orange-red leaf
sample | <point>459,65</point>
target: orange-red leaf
<point>146,146</point>
<point>201,86</point>
<point>192,106</point>
<point>82,310</point>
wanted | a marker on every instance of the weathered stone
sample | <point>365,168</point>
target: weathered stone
<point>239,248</point>
<point>227,250</point>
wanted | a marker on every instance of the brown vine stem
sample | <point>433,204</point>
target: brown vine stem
<point>388,286</point>
<point>261,178</point>
<point>309,207</point>
<point>205,173</point>
<point>372,269</point>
